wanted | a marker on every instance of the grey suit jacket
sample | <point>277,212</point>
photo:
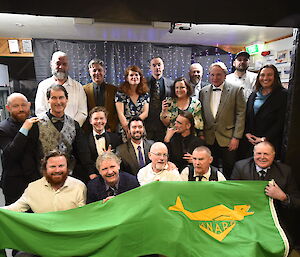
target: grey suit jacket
<point>230,117</point>
<point>129,159</point>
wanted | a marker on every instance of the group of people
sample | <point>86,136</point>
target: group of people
<point>96,141</point>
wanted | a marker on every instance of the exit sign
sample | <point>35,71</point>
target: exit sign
<point>253,49</point>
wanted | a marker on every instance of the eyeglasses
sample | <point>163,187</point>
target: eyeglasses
<point>165,155</point>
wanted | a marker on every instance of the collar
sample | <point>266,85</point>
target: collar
<point>221,86</point>
<point>136,145</point>
<point>51,115</point>
<point>95,133</point>
<point>259,168</point>
<point>107,186</point>
<point>206,175</point>
<point>65,83</point>
<point>99,85</point>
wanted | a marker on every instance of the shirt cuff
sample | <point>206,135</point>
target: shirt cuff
<point>24,131</point>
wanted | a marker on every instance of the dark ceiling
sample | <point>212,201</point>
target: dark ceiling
<point>255,12</point>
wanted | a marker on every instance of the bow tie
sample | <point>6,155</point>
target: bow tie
<point>99,136</point>
<point>217,89</point>
<point>55,119</point>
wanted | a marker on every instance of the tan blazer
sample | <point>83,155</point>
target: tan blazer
<point>230,117</point>
<point>109,103</point>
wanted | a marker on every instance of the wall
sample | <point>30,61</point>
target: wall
<point>280,51</point>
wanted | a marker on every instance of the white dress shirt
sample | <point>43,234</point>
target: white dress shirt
<point>215,99</point>
<point>100,143</point>
<point>147,175</point>
<point>185,175</point>
<point>77,103</point>
<point>40,197</point>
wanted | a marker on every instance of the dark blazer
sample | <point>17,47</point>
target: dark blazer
<point>269,120</point>
<point>19,160</point>
<point>109,104</point>
<point>230,118</point>
<point>129,160</point>
<point>96,189</point>
<point>112,139</point>
<point>154,126</point>
<point>281,173</point>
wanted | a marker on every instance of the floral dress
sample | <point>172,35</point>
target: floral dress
<point>194,108</point>
<point>130,108</point>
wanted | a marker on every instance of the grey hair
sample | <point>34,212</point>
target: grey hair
<point>221,65</point>
<point>96,61</point>
<point>197,64</point>
<point>107,156</point>
<point>58,54</point>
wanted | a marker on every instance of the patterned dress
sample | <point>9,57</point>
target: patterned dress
<point>194,108</point>
<point>130,108</point>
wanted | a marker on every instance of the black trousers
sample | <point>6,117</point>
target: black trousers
<point>223,158</point>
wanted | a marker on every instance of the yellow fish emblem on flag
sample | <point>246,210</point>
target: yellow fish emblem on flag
<point>217,221</point>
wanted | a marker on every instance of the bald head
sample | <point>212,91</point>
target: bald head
<point>159,156</point>
<point>13,96</point>
<point>18,106</point>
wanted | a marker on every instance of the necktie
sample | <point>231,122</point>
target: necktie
<point>262,174</point>
<point>99,136</point>
<point>155,95</point>
<point>141,158</point>
<point>111,191</point>
<point>56,119</point>
<point>217,89</point>
<point>199,178</point>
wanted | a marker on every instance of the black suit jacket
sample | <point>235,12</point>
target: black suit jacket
<point>96,189</point>
<point>269,120</point>
<point>112,139</point>
<point>129,159</point>
<point>281,173</point>
<point>19,160</point>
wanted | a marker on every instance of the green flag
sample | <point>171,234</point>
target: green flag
<point>183,219</point>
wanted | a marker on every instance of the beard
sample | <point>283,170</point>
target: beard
<point>195,80</point>
<point>60,75</point>
<point>21,118</point>
<point>56,181</point>
<point>137,136</point>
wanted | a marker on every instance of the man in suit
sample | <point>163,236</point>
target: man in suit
<point>76,107</point>
<point>19,161</point>
<point>181,141</point>
<point>99,93</point>
<point>100,140</point>
<point>223,112</point>
<point>262,166</point>
<point>134,153</point>
<point>201,169</point>
<point>111,181</point>
<point>195,74</point>
<point>160,88</point>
